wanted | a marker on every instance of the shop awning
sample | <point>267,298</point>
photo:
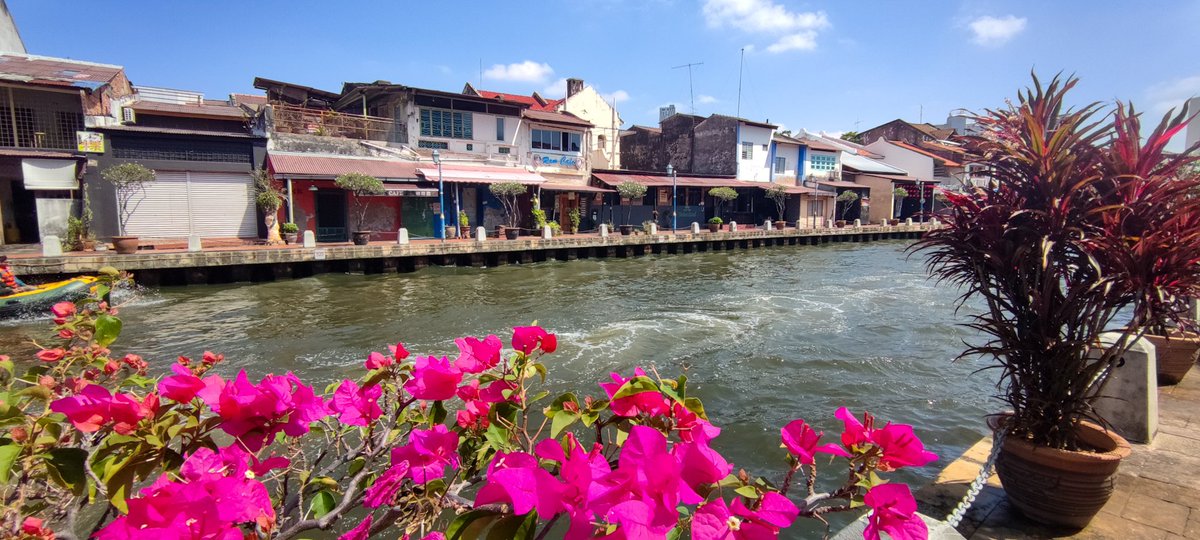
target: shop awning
<point>480,174</point>
<point>297,165</point>
<point>49,173</point>
<point>574,187</point>
<point>905,179</point>
<point>651,180</point>
<point>799,190</point>
<point>842,184</point>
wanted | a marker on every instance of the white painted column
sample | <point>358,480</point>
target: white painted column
<point>546,232</point>
<point>695,228</point>
<point>1131,402</point>
<point>480,234</point>
<point>603,230</point>
<point>194,243</point>
<point>732,226</point>
<point>310,239</point>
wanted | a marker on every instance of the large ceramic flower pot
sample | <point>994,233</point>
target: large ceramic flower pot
<point>1175,356</point>
<point>125,244</point>
<point>512,233</point>
<point>714,227</point>
<point>780,225</point>
<point>626,230</point>
<point>1061,487</point>
<point>361,238</point>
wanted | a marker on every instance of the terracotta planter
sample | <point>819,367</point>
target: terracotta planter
<point>626,230</point>
<point>893,222</point>
<point>839,223</point>
<point>1061,487</point>
<point>714,227</point>
<point>512,233</point>
<point>125,244</point>
<point>360,238</point>
<point>451,232</point>
<point>290,237</point>
<point>464,232</point>
<point>780,225</point>
<point>88,244</point>
<point>1175,356</point>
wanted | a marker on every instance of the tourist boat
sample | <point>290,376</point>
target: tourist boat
<point>41,297</point>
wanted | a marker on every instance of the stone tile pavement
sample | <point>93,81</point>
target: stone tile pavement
<point>1157,495</point>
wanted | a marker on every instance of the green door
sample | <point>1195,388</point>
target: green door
<point>416,215</point>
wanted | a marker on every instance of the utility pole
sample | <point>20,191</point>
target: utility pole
<point>691,88</point>
<point>741,64</point>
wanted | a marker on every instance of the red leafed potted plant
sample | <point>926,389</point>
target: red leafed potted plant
<point>1070,233</point>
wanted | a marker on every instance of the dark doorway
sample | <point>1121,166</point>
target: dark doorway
<point>25,214</point>
<point>331,216</point>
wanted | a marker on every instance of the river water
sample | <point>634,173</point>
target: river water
<point>765,336</point>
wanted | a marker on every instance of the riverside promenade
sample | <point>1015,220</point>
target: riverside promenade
<point>179,266</point>
<point>1157,494</point>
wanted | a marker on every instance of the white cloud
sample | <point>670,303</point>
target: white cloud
<point>527,72</point>
<point>995,31</point>
<point>705,99</point>
<point>620,96</point>
<point>803,41</point>
<point>556,89</point>
<point>1171,94</point>
<point>796,30</point>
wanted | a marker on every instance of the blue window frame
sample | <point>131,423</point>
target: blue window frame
<point>823,162</point>
<point>449,124</point>
<point>499,129</point>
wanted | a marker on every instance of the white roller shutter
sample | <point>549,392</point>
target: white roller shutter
<point>160,210</point>
<point>222,205</point>
<point>179,204</point>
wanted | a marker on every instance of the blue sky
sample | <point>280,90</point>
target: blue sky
<point>832,65</point>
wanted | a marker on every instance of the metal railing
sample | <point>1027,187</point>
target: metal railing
<point>302,120</point>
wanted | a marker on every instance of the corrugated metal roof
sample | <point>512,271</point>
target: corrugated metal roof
<point>651,180</point>
<point>841,183</point>
<point>177,131</point>
<point>45,70</point>
<point>574,187</point>
<point>864,164</point>
<point>330,166</point>
<point>926,153</point>
<point>208,110</point>
<point>796,190</point>
<point>555,118</point>
<point>479,174</point>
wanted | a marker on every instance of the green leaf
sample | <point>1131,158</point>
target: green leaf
<point>469,525</point>
<point>322,503</point>
<point>748,492</point>
<point>8,456</point>
<point>514,527</point>
<point>437,413</point>
<point>636,385</point>
<point>66,466</point>
<point>356,465</point>
<point>562,421</point>
<point>696,406</point>
<point>107,329</point>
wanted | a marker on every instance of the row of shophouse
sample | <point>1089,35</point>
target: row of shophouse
<point>62,122</point>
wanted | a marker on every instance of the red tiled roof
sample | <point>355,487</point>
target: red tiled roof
<point>944,161</point>
<point>206,110</point>
<point>932,131</point>
<point>551,104</point>
<point>44,70</point>
<point>479,174</point>
<point>943,147</point>
<point>326,166</point>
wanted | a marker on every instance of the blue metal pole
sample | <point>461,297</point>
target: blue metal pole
<point>440,232</point>
<point>674,205</point>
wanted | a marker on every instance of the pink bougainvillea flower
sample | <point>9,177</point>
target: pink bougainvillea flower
<point>528,338</point>
<point>398,351</point>
<point>34,527</point>
<point>699,464</point>
<point>61,311</point>
<point>360,532</point>
<point>691,427</point>
<point>93,407</point>
<point>378,361</point>
<point>428,453</point>
<point>801,441</point>
<point>256,413</point>
<point>714,521</point>
<point>51,355</point>
<point>476,356</point>
<point>517,478</point>
<point>643,493</point>
<point>893,510</point>
<point>357,406</point>
<point>495,392</point>
<point>384,490</point>
<point>433,379</point>
<point>474,415</point>
<point>897,443</point>
<point>126,411</point>
<point>581,473</point>
<point>649,402</point>
<point>181,387</point>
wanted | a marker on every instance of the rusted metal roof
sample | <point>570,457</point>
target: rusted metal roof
<point>574,187</point>
<point>479,174</point>
<point>206,110</point>
<point>841,184</point>
<point>797,190</point>
<point>177,131</point>
<point>654,180</point>
<point>53,154</point>
<point>289,164</point>
<point>555,118</point>
<point>49,71</point>
<point>534,104</point>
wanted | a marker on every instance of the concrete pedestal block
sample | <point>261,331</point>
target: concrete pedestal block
<point>908,221</point>
<point>603,230</point>
<point>857,223</point>
<point>829,224</point>
<point>480,234</point>
<point>653,229</point>
<point>402,237</point>
<point>51,246</point>
<point>310,239</point>
<point>767,224</point>
<point>695,228</point>
<point>546,232</point>
<point>1132,405</point>
<point>732,226</point>
<point>194,243</point>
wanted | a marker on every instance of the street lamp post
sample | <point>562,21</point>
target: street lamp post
<point>921,186</point>
<point>440,231</point>
<point>674,202</point>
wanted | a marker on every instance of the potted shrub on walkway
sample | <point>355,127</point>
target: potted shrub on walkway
<point>629,191</point>
<point>714,224</point>
<point>464,224</point>
<point>290,232</point>
<point>363,186</point>
<point>779,195</point>
<point>129,180</point>
<point>1054,252</point>
<point>575,218</point>
<point>722,195</point>
<point>846,198</point>
<point>269,199</point>
<point>901,194</point>
<point>508,192</point>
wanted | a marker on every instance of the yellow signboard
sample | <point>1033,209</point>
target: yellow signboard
<point>90,141</point>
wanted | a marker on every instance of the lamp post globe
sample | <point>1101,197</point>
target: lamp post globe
<point>439,230</point>
<point>674,203</point>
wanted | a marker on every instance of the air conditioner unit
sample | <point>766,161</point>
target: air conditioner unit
<point>128,116</point>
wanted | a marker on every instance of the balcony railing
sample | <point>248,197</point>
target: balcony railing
<point>293,119</point>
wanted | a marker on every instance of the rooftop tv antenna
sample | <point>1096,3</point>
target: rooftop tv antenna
<point>691,90</point>
<point>741,64</point>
